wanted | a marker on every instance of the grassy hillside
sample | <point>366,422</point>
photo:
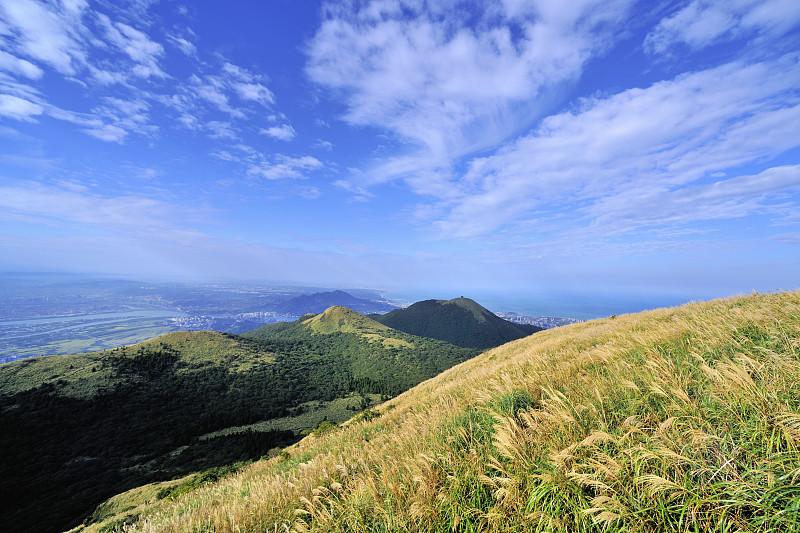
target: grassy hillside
<point>459,321</point>
<point>684,419</point>
<point>77,429</point>
<point>382,360</point>
<point>343,319</point>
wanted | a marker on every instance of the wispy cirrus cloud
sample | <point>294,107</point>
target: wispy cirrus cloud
<point>284,132</point>
<point>109,122</point>
<point>431,75</point>
<point>247,85</point>
<point>184,45</point>
<point>17,66</point>
<point>19,108</point>
<point>118,55</point>
<point>230,89</point>
<point>448,81</point>
<point>273,167</point>
<point>43,204</point>
<point>140,49</point>
<point>360,194</point>
<point>285,167</point>
<point>635,158</point>
<point>49,33</point>
<point>219,129</point>
<point>702,23</point>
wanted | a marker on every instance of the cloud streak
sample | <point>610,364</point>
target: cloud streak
<point>613,153</point>
<point>703,23</point>
<point>41,204</point>
<point>118,56</point>
<point>284,132</point>
<point>449,86</point>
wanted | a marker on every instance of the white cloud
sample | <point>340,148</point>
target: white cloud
<point>360,194</point>
<point>189,121</point>
<point>108,133</point>
<point>128,115</point>
<point>311,193</point>
<point>18,108</point>
<point>108,77</point>
<point>789,238</point>
<point>184,45</point>
<point>210,90</point>
<point>136,45</point>
<point>616,154</point>
<point>285,167</point>
<point>71,205</point>
<point>220,130</point>
<point>705,22</point>
<point>231,90</point>
<point>49,33</point>
<point>424,74</point>
<point>110,122</point>
<point>284,132</point>
<point>731,198</point>
<point>322,144</point>
<point>18,66</point>
<point>105,123</point>
<point>255,92</point>
<point>247,85</point>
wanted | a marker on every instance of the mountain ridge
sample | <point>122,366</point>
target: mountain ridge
<point>681,418</point>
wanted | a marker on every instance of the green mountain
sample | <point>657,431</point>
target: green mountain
<point>681,419</point>
<point>459,321</point>
<point>79,428</point>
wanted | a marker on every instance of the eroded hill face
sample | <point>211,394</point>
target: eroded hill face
<point>674,419</point>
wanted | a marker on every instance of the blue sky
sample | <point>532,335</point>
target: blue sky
<point>586,146</point>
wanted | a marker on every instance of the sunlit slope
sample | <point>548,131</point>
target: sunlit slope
<point>81,375</point>
<point>674,419</point>
<point>343,319</point>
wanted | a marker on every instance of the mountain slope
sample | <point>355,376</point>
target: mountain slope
<point>383,360</point>
<point>684,419</point>
<point>80,428</point>
<point>459,321</point>
<point>318,302</point>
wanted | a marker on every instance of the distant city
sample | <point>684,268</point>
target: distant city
<point>546,322</point>
<point>44,314</point>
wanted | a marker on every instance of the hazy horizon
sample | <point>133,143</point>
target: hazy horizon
<point>577,150</point>
<point>571,303</point>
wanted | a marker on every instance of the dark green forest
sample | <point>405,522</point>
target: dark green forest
<point>78,429</point>
<point>460,321</point>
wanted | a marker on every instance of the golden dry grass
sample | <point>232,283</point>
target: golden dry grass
<point>683,419</point>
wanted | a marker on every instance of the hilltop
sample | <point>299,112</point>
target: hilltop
<point>675,419</point>
<point>80,428</point>
<point>340,318</point>
<point>460,321</point>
